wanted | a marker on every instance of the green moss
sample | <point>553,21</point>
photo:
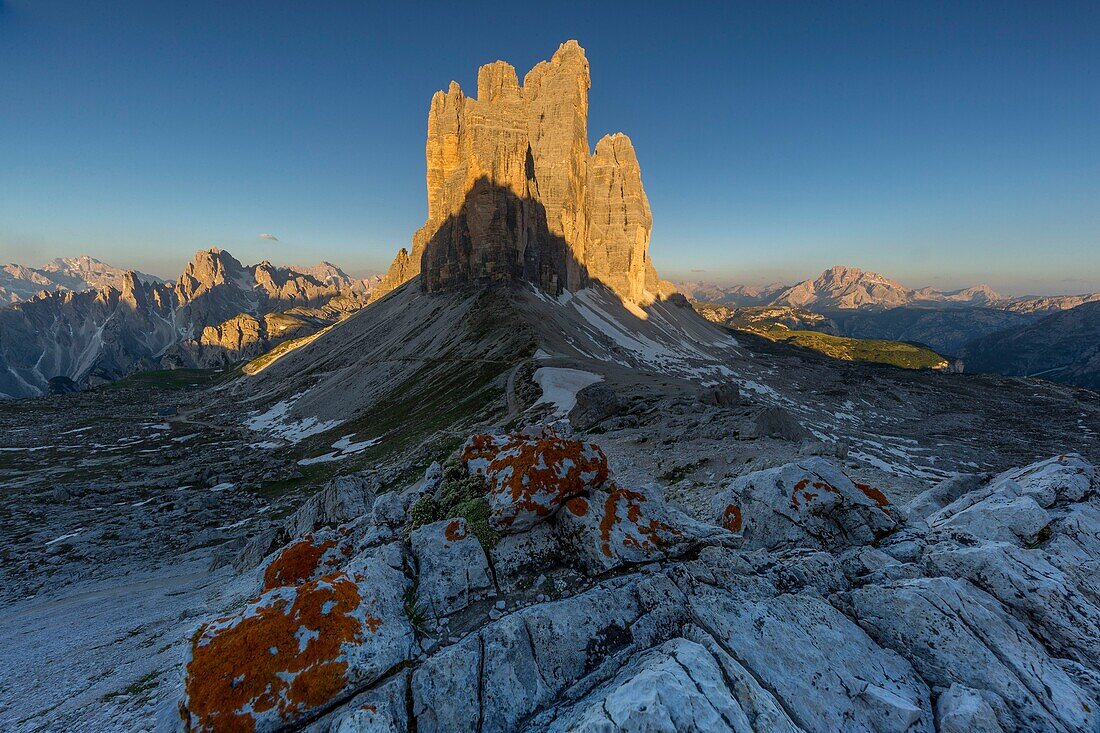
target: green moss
<point>476,514</point>
<point>415,611</point>
<point>459,495</point>
<point>678,473</point>
<point>425,511</point>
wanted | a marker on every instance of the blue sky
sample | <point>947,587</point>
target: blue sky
<point>940,143</point>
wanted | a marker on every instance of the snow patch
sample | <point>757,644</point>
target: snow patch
<point>344,447</point>
<point>275,422</point>
<point>55,540</point>
<point>560,386</point>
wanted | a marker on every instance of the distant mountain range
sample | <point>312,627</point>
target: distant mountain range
<point>1035,335</point>
<point>96,323</point>
<point>1062,347</point>
<point>849,288</point>
<point>19,282</point>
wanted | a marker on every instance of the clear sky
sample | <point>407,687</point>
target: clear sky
<point>942,144</point>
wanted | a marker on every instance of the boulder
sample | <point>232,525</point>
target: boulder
<point>1014,506</point>
<point>681,685</point>
<point>811,503</point>
<point>726,394</point>
<point>595,403</point>
<point>519,665</point>
<point>604,531</point>
<point>963,710</point>
<point>296,650</point>
<point>772,422</point>
<point>308,558</point>
<point>343,499</point>
<point>953,633</point>
<point>1047,600</point>
<point>529,478</point>
<point>829,674</point>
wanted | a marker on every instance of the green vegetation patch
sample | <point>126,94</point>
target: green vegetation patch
<point>459,495</point>
<point>170,379</point>
<point>878,351</point>
<point>266,359</point>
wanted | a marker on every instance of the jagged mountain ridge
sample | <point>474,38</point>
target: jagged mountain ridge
<point>867,305</point>
<point>850,288</point>
<point>20,282</point>
<point>218,312</point>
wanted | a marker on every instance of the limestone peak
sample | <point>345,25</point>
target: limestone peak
<point>515,193</point>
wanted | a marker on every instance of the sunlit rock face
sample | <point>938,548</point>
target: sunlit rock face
<point>514,193</point>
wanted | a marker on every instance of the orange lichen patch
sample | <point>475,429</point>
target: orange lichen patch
<point>455,531</point>
<point>278,659</point>
<point>480,447</point>
<point>635,532</point>
<point>369,708</point>
<point>731,518</point>
<point>534,476</point>
<point>809,496</point>
<point>577,506</point>
<point>303,560</point>
<point>873,494</point>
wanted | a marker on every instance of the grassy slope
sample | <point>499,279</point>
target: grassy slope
<point>429,414</point>
<point>895,353</point>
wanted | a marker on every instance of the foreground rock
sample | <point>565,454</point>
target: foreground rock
<point>815,606</point>
<point>296,649</point>
<point>530,478</point>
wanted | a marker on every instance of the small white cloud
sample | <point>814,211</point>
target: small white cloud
<point>272,237</point>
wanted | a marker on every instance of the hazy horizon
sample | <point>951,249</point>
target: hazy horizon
<point>939,145</point>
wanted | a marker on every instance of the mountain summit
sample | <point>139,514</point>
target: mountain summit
<point>515,194</point>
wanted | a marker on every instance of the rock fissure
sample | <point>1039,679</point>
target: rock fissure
<point>764,685</point>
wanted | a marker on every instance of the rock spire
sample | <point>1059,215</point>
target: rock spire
<point>514,193</point>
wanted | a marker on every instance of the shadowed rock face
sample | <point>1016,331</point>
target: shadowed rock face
<point>513,192</point>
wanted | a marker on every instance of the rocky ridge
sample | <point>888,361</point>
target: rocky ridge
<point>217,313</point>
<point>18,282</point>
<point>1063,346</point>
<point>514,193</point>
<point>849,287</point>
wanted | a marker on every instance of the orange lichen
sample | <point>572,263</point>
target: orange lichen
<point>536,474</point>
<point>455,531</point>
<point>643,536</point>
<point>282,656</point>
<point>873,494</point>
<point>373,623</point>
<point>299,562</point>
<point>577,506</point>
<point>731,517</point>
<point>809,496</point>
